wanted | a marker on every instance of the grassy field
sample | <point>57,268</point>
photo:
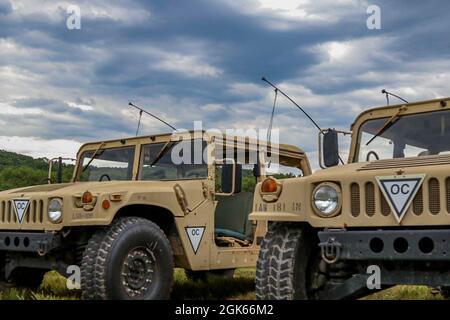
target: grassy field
<point>240,288</point>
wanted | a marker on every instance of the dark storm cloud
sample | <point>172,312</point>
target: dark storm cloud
<point>54,119</point>
<point>5,7</point>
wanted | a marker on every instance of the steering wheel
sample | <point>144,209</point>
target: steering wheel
<point>372,153</point>
<point>104,176</point>
<point>46,180</point>
<point>193,175</point>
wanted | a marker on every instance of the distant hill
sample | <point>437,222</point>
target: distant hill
<point>17,170</point>
<point>11,159</point>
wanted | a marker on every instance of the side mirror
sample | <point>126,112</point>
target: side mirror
<point>330,148</point>
<point>257,167</point>
<point>231,173</point>
<point>256,170</point>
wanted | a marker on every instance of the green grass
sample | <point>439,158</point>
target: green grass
<point>53,288</point>
<point>406,293</point>
<point>239,288</point>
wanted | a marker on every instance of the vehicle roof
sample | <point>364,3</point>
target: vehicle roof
<point>285,148</point>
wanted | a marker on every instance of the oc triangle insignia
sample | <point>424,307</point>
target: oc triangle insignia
<point>399,192</point>
<point>20,207</point>
<point>195,235</point>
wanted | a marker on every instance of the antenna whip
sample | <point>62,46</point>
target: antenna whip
<point>269,131</point>
<point>295,104</point>
<point>300,108</point>
<point>387,93</point>
<point>151,115</point>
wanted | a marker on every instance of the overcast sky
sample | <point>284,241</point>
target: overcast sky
<point>203,60</point>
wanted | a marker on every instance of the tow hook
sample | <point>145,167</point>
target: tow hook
<point>42,248</point>
<point>330,250</point>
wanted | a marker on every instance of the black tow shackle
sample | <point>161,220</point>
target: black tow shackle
<point>330,250</point>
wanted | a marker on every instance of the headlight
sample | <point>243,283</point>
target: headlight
<point>326,199</point>
<point>55,209</point>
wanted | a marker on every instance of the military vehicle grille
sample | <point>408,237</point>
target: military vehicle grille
<point>367,198</point>
<point>34,214</point>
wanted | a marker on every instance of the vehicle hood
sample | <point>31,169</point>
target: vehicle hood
<point>387,167</point>
<point>80,187</point>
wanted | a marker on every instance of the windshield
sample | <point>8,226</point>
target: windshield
<point>107,164</point>
<point>408,136</point>
<point>174,161</point>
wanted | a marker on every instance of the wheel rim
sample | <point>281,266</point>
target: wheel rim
<point>137,272</point>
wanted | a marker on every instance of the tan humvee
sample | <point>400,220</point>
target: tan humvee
<point>382,219</point>
<point>132,214</point>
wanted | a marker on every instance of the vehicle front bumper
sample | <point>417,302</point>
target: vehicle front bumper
<point>407,245</point>
<point>36,242</point>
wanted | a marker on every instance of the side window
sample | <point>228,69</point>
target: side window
<point>173,161</point>
<point>244,178</point>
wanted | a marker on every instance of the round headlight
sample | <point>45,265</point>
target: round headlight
<point>326,199</point>
<point>55,208</point>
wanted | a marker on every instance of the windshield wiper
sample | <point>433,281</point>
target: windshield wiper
<point>387,125</point>
<point>161,153</point>
<point>94,156</point>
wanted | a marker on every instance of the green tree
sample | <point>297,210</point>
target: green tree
<point>17,171</point>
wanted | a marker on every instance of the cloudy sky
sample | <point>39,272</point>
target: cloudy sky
<point>203,60</point>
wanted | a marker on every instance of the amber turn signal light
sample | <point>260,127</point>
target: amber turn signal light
<point>87,197</point>
<point>269,186</point>
<point>106,204</point>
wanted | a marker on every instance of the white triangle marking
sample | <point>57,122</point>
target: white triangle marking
<point>195,235</point>
<point>21,207</point>
<point>399,192</point>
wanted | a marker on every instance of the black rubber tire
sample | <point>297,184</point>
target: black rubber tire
<point>445,292</point>
<point>282,267</point>
<point>210,274</point>
<point>105,254</point>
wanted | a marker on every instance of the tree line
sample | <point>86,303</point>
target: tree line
<point>17,170</point>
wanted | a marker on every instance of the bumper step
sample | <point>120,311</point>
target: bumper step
<point>40,243</point>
